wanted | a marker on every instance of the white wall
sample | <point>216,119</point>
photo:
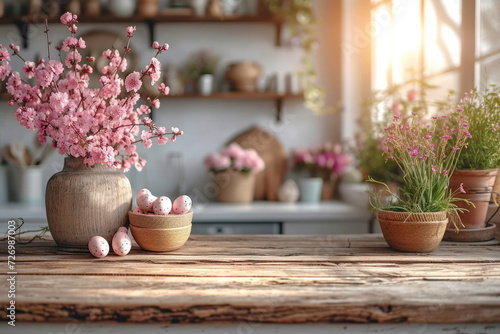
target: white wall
<point>207,124</point>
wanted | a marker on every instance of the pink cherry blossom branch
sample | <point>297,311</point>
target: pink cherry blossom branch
<point>48,41</point>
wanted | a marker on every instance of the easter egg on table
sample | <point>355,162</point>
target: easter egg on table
<point>98,246</point>
<point>121,243</point>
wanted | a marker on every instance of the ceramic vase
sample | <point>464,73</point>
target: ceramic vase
<point>205,84</point>
<point>310,189</point>
<point>413,232</point>
<point>82,202</point>
<point>199,6</point>
<point>478,185</point>
<point>123,8</point>
<point>235,187</point>
<point>243,76</point>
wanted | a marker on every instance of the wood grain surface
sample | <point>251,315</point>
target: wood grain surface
<point>282,279</point>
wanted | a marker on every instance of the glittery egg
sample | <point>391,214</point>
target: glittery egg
<point>121,243</point>
<point>98,246</point>
<point>162,205</point>
<point>145,202</point>
<point>182,204</point>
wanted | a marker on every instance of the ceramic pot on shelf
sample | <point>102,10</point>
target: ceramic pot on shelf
<point>234,187</point>
<point>83,202</point>
<point>122,8</point>
<point>413,232</point>
<point>205,84</point>
<point>199,6</point>
<point>478,185</point>
<point>243,76</point>
<point>310,189</point>
<point>147,8</point>
<point>92,8</point>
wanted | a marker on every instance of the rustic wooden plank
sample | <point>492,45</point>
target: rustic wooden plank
<point>197,268</point>
<point>262,300</point>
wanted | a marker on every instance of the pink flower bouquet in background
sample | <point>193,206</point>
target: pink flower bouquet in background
<point>235,158</point>
<point>327,161</point>
<point>99,124</point>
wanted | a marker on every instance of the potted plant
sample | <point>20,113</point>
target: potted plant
<point>199,69</point>
<point>234,170</point>
<point>320,168</point>
<point>477,166</point>
<point>416,217</point>
<point>96,128</point>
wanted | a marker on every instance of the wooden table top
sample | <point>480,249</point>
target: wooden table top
<point>276,279</point>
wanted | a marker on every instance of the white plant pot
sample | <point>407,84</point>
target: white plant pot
<point>199,6</point>
<point>26,185</point>
<point>205,84</point>
<point>122,8</point>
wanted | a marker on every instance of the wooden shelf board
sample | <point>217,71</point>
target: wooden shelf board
<point>235,96</point>
<point>159,19</point>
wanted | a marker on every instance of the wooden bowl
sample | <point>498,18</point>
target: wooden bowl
<point>160,222</point>
<point>164,233</point>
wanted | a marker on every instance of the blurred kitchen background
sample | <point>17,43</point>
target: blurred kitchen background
<point>357,47</point>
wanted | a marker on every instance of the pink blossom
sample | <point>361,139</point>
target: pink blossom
<point>164,47</point>
<point>385,148</point>
<point>434,168</point>
<point>69,43</point>
<point>15,48</point>
<point>454,148</point>
<point>495,128</point>
<point>73,58</point>
<point>163,89</point>
<point>56,66</point>
<point>233,151</point>
<point>396,108</point>
<point>162,140</point>
<point>447,137</point>
<point>4,54</point>
<point>467,134</point>
<point>154,70</point>
<point>5,70</point>
<point>133,82</point>
<point>58,101</point>
<point>460,109</point>
<point>156,45</point>
<point>453,130</point>
<point>462,188</point>
<point>130,31</point>
<point>427,136</point>
<point>66,18</point>
<point>445,172</point>
<point>412,95</point>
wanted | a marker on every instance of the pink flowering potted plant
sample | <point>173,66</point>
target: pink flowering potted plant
<point>96,128</point>
<point>416,217</point>
<point>234,170</point>
<point>320,168</point>
<point>477,166</point>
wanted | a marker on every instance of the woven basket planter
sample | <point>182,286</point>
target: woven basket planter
<point>413,232</point>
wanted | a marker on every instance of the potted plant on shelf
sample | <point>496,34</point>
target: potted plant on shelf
<point>96,128</point>
<point>234,171</point>
<point>322,166</point>
<point>199,69</point>
<point>477,166</point>
<point>416,217</point>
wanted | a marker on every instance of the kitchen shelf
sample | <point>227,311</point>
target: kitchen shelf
<point>278,98</point>
<point>23,22</point>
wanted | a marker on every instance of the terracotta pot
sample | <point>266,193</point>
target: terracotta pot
<point>478,185</point>
<point>413,232</point>
<point>243,76</point>
<point>496,187</point>
<point>147,8</point>
<point>83,201</point>
<point>327,190</point>
<point>235,187</point>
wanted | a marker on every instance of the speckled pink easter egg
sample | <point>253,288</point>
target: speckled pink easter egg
<point>182,204</point>
<point>140,193</point>
<point>121,243</point>
<point>162,205</point>
<point>122,229</point>
<point>139,210</point>
<point>145,202</point>
<point>98,246</point>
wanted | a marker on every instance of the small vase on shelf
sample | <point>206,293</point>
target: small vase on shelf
<point>310,189</point>
<point>205,84</point>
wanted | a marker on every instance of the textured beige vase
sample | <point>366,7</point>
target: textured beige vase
<point>83,201</point>
<point>235,187</point>
<point>417,232</point>
<point>243,76</point>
